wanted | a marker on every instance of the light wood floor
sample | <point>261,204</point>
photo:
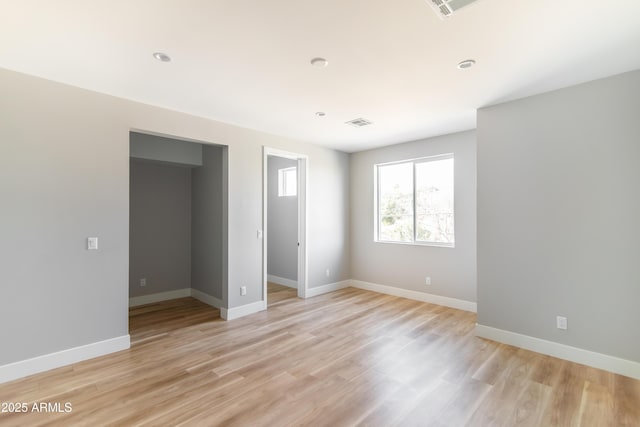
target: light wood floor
<point>346,358</point>
<point>278,294</point>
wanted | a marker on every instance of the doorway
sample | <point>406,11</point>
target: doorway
<point>177,221</point>
<point>284,226</point>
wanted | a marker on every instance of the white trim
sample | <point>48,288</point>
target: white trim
<point>303,196</point>
<point>282,281</point>
<point>27,367</point>
<point>323,289</point>
<point>562,351</point>
<point>243,310</point>
<point>423,159</point>
<point>265,225</point>
<point>283,153</point>
<point>161,296</point>
<point>206,298</point>
<point>303,188</point>
<point>432,244</point>
<point>415,295</point>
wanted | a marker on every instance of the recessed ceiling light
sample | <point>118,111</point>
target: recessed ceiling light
<point>467,63</point>
<point>321,114</point>
<point>319,62</point>
<point>162,57</point>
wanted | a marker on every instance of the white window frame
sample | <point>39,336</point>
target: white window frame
<point>376,207</point>
<point>282,181</point>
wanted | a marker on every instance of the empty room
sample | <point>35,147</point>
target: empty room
<point>337,213</point>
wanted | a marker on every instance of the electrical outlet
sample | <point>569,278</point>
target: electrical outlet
<point>143,282</point>
<point>561,322</point>
<point>92,243</point>
<point>427,280</point>
<point>328,272</point>
<point>243,290</point>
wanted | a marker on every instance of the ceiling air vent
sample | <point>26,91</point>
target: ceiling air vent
<point>358,122</point>
<point>446,8</point>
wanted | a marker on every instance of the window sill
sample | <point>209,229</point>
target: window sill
<point>431,244</point>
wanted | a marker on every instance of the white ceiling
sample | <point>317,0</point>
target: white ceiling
<point>392,62</point>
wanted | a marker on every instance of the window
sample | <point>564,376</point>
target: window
<point>287,182</point>
<point>414,202</point>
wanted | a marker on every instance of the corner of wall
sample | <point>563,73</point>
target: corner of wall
<point>561,351</point>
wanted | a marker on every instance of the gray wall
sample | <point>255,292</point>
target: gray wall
<point>282,218</point>
<point>328,210</point>
<point>558,210</point>
<point>64,176</point>
<point>207,241</point>
<point>152,147</point>
<point>452,270</point>
<point>160,227</point>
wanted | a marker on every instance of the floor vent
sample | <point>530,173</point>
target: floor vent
<point>446,8</point>
<point>359,122</point>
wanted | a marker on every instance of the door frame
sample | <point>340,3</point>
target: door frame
<point>303,168</point>
<point>222,304</point>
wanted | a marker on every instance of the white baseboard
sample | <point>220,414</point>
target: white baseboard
<point>415,295</point>
<point>206,298</point>
<point>243,310</point>
<point>319,290</point>
<point>161,296</point>
<point>27,367</point>
<point>282,281</point>
<point>562,351</point>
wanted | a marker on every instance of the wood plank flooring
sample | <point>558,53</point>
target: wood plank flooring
<point>279,293</point>
<point>348,358</point>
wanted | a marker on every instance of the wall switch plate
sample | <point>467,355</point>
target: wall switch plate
<point>143,282</point>
<point>92,243</point>
<point>243,290</point>
<point>427,280</point>
<point>561,322</point>
<point>328,272</point>
<point>259,234</point>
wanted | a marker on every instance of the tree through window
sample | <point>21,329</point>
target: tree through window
<point>415,201</point>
